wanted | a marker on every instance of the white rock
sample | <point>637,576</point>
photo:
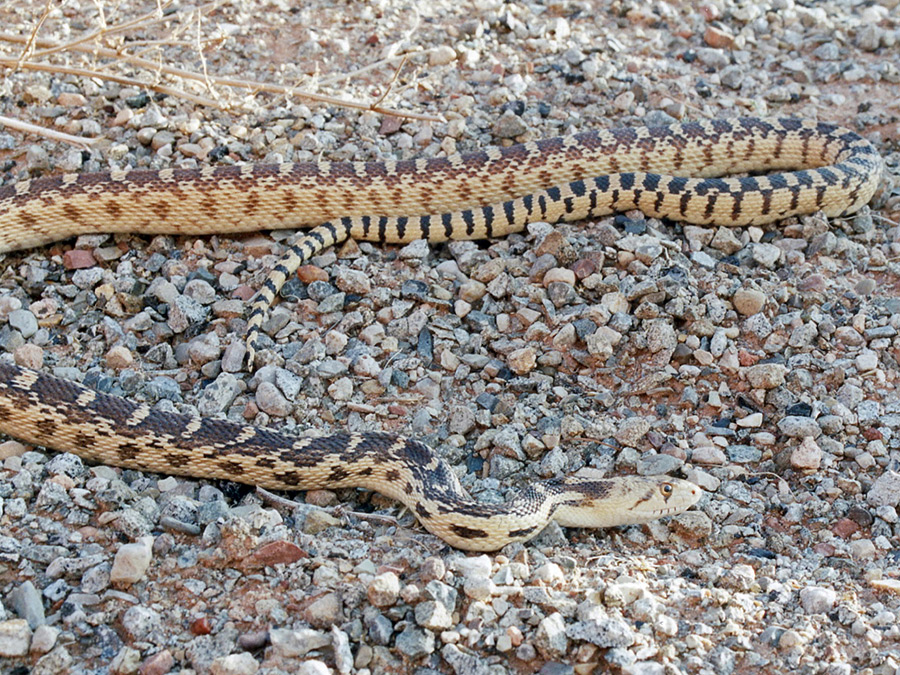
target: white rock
<point>479,588</point>
<point>474,566</point>
<point>550,574</point>
<point>234,664</point>
<point>885,491</point>
<point>751,420</point>
<point>296,643</point>
<point>132,561</point>
<point>384,590</point>
<point>807,456</point>
<point>817,599</point>
<point>15,637</point>
<point>44,639</point>
<point>866,361</point>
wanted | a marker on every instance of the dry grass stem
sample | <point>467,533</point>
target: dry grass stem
<point>29,128</point>
<point>120,79</point>
<point>92,44</point>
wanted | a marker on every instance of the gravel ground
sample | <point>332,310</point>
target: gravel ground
<point>761,363</point>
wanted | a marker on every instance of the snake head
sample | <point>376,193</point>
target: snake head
<point>623,500</point>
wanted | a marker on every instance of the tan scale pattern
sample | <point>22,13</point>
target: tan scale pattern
<point>683,172</point>
<point>666,172</point>
<point>48,411</point>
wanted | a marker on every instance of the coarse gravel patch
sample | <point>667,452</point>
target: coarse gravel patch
<point>760,363</point>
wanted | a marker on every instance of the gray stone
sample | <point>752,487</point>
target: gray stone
<point>850,395</point>
<point>185,312</point>
<point>26,601</point>
<point>66,464</point>
<point>550,638</point>
<point>270,400</point>
<point>464,663</point>
<point>607,632</point>
<point>766,255</point>
<point>743,454</point>
<point>631,431</point>
<point>218,396</point>
<point>415,643</point>
<point>827,51</point>
<point>379,628</point>
<point>703,258</point>
<point>656,465</point>
<point>277,319</point>
<point>414,250</point>
<point>795,426</point>
<point>732,76</point>
<point>885,491</point>
<point>722,660</point>
<point>441,592</point>
<point>510,125</point>
<point>87,278</point>
<point>333,303</point>
<point>163,387</point>
<point>23,321</point>
<point>288,643</point>
<point>201,291</point>
<point>343,656</point>
<point>204,349</point>
<point>324,611</point>
<point>233,358</point>
<point>139,622</point>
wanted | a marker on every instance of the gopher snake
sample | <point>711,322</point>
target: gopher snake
<point>818,167</point>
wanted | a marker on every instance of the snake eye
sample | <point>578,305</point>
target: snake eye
<point>667,489</point>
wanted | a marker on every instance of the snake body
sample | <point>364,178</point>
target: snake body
<point>683,172</point>
<point>49,411</point>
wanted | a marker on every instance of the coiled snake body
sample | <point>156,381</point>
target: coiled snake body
<point>682,172</point>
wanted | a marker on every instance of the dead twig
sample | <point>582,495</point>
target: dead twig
<point>83,72</point>
<point>80,45</point>
<point>30,40</point>
<point>47,133</point>
<point>339,510</point>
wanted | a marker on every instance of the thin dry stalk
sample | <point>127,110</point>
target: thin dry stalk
<point>89,44</point>
<point>29,128</point>
<point>100,75</point>
<point>29,43</point>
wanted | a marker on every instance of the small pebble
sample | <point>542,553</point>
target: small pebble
<point>131,562</point>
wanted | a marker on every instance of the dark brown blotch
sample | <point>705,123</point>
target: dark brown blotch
<point>128,450</point>
<point>177,459</point>
<point>288,477</point>
<point>468,532</point>
<point>524,532</point>
<point>46,427</point>
<point>231,467</point>
<point>338,473</point>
